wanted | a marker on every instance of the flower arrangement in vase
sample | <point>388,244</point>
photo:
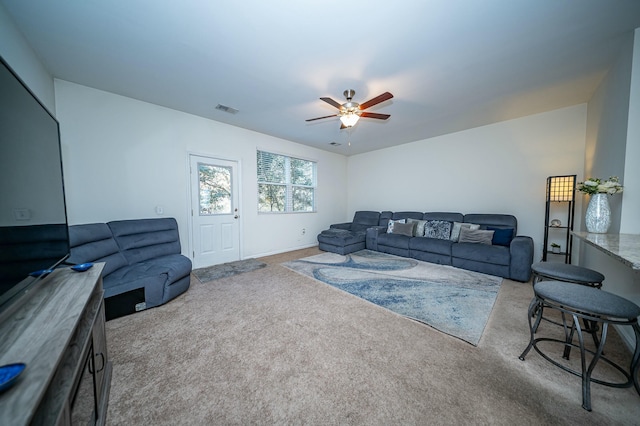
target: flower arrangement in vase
<point>598,186</point>
<point>598,216</point>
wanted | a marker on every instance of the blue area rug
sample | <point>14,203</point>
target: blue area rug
<point>452,300</point>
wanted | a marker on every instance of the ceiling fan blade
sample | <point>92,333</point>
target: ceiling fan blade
<point>320,118</point>
<point>374,115</point>
<point>331,102</point>
<point>380,98</point>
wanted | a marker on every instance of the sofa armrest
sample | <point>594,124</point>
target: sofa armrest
<point>371,242</point>
<point>346,226</point>
<point>521,250</point>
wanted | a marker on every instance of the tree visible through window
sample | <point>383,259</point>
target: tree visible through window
<point>285,184</point>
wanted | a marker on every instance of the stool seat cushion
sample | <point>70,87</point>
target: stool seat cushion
<point>587,299</point>
<point>562,271</point>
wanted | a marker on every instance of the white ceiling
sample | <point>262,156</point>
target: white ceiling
<point>451,64</point>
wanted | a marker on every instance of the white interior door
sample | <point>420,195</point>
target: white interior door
<point>215,229</point>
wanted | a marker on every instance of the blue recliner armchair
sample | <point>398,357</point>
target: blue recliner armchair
<point>141,255</point>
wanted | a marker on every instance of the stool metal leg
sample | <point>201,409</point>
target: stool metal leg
<point>535,308</point>
<point>586,375</point>
<point>635,362</point>
<point>586,382</point>
<point>590,327</point>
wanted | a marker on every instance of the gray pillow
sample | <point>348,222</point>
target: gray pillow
<point>477,236</point>
<point>392,224</point>
<point>419,232</point>
<point>403,229</point>
<point>440,229</point>
<point>455,229</point>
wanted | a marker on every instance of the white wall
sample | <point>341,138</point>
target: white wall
<point>629,222</point>
<point>613,148</point>
<point>124,157</point>
<point>16,51</point>
<point>607,119</point>
<point>499,168</point>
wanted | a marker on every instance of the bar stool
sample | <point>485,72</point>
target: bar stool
<point>571,274</point>
<point>593,305</point>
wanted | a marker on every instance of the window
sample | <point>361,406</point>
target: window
<point>214,189</point>
<point>285,184</point>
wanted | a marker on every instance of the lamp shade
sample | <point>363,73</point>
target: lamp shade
<point>349,119</point>
<point>561,188</point>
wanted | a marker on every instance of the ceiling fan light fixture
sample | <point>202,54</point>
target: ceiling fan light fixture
<point>349,119</point>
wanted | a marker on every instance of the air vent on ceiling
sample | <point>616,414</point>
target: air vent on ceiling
<point>225,108</point>
<point>334,144</point>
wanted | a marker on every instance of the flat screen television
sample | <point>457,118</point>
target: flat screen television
<point>33,218</point>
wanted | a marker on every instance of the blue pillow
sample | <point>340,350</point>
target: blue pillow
<point>501,236</point>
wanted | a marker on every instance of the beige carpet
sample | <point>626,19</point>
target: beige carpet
<point>274,347</point>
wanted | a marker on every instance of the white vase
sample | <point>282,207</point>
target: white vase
<point>598,217</point>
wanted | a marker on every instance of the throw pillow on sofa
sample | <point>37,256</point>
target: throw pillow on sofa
<point>455,229</point>
<point>501,236</point>
<point>404,229</point>
<point>419,231</point>
<point>392,224</point>
<point>440,229</point>
<point>476,236</point>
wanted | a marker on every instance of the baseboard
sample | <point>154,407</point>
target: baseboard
<point>306,246</point>
<point>627,335</point>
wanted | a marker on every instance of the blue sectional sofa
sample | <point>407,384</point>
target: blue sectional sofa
<point>141,255</point>
<point>504,254</point>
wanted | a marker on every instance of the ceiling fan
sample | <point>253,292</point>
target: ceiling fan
<point>350,112</point>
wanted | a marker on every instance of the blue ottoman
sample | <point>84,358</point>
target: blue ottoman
<point>341,241</point>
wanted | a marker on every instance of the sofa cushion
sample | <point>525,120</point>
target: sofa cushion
<point>384,218</point>
<point>448,216</point>
<point>153,274</point>
<point>364,219</point>
<point>501,236</point>
<point>498,255</point>
<point>394,240</point>
<point>431,245</point>
<point>495,220</point>
<point>144,239</point>
<point>440,229</point>
<point>407,215</point>
<point>94,242</point>
<point>475,236</point>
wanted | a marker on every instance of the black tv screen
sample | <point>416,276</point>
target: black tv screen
<point>33,218</point>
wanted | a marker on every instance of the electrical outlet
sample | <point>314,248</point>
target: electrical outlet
<point>23,214</point>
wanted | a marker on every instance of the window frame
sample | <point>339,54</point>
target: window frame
<point>288,184</point>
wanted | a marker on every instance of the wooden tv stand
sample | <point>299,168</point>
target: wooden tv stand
<point>58,331</point>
